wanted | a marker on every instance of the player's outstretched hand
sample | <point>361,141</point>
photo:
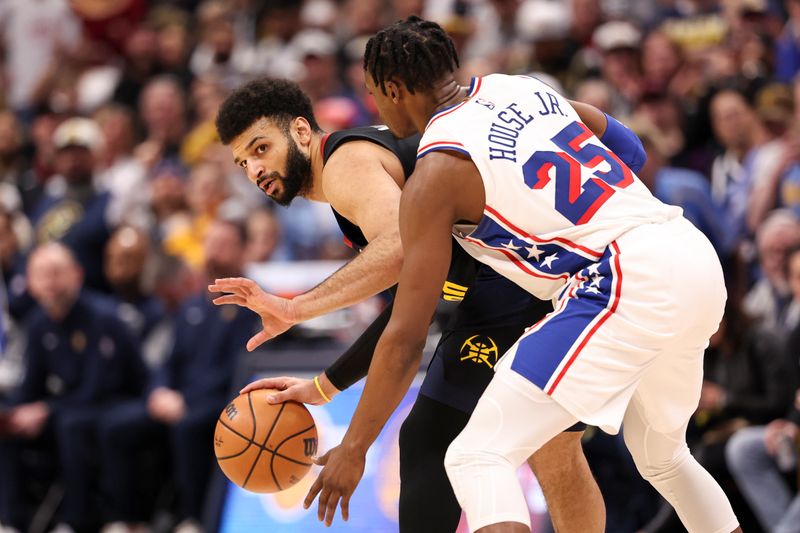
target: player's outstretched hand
<point>277,314</point>
<point>343,467</point>
<point>299,390</point>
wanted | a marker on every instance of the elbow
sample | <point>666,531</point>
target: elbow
<point>639,157</point>
<point>405,349</point>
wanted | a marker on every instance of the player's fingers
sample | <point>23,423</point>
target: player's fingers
<point>330,509</point>
<point>257,340</point>
<point>323,459</point>
<point>225,285</point>
<point>229,299</point>
<point>345,505</point>
<point>284,396</point>
<point>266,383</point>
<point>322,503</point>
<point>312,492</point>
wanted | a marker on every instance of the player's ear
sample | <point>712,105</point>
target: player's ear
<point>394,90</point>
<point>302,131</point>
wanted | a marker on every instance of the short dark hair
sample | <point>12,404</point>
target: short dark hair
<point>275,99</point>
<point>415,51</point>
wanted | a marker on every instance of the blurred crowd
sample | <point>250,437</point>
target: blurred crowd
<point>118,204</point>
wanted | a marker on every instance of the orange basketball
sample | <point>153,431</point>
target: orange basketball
<point>263,447</point>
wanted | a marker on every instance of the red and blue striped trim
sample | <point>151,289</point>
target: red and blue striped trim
<point>442,145</point>
<point>545,354</point>
<point>560,240</point>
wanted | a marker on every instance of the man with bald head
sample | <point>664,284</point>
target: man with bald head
<point>79,359</point>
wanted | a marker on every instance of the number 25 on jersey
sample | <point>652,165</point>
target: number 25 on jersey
<point>577,203</point>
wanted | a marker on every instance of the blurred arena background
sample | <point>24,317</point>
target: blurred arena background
<point>107,146</point>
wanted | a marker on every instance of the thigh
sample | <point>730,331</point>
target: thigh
<point>490,319</point>
<point>513,419</point>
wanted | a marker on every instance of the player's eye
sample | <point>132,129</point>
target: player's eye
<point>261,148</point>
<point>243,164</point>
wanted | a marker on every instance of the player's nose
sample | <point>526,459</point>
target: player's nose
<point>255,171</point>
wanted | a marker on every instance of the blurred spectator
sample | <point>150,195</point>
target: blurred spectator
<point>787,47</point>
<point>206,191</point>
<point>173,283</point>
<point>763,458</point>
<point>162,106</point>
<point>173,42</point>
<point>79,360</point>
<point>777,179</point>
<point>739,131</point>
<point>35,35</point>
<point>207,96</point>
<point>167,190</point>
<point>545,27</point>
<point>14,336</point>
<point>661,60</point>
<point>665,113</point>
<point>219,53</point>
<point>185,396</point>
<point>72,210</point>
<point>126,261</point>
<point>120,173</point>
<point>263,235</point>
<point>278,23</point>
<point>596,92</point>
<point>682,187</point>
<point>768,300</point>
<point>619,42</point>
<point>12,161</point>
<point>317,51</point>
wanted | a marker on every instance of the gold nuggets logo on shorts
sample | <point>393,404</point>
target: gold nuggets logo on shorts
<point>479,349</point>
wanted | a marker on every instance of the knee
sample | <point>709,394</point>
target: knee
<point>461,455</point>
<point>654,464</point>
<point>744,448</point>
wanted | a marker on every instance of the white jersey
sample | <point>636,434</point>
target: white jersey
<point>556,197</point>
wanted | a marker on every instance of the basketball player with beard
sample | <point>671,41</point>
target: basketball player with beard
<point>270,127</point>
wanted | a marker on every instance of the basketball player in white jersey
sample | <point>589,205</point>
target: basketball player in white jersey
<point>508,168</point>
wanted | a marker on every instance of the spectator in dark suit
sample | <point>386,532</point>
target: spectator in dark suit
<point>185,396</point>
<point>79,360</point>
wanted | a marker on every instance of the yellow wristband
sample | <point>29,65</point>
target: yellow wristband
<point>319,388</point>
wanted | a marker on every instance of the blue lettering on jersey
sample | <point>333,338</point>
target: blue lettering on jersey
<point>503,134</point>
<point>552,107</point>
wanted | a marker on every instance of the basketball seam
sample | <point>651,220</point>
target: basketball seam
<point>261,450</point>
<point>278,447</point>
<point>252,417</point>
<point>249,442</point>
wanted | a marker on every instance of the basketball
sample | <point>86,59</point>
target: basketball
<point>264,447</point>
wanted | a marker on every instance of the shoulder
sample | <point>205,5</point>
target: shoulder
<point>357,170</point>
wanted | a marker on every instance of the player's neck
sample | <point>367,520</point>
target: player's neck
<point>446,94</point>
<point>317,164</point>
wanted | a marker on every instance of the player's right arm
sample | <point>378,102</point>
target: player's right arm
<point>611,132</point>
<point>361,182</point>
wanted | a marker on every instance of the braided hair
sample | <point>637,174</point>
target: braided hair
<point>415,51</point>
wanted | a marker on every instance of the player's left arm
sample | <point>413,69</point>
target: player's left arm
<point>611,132</point>
<point>428,209</point>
